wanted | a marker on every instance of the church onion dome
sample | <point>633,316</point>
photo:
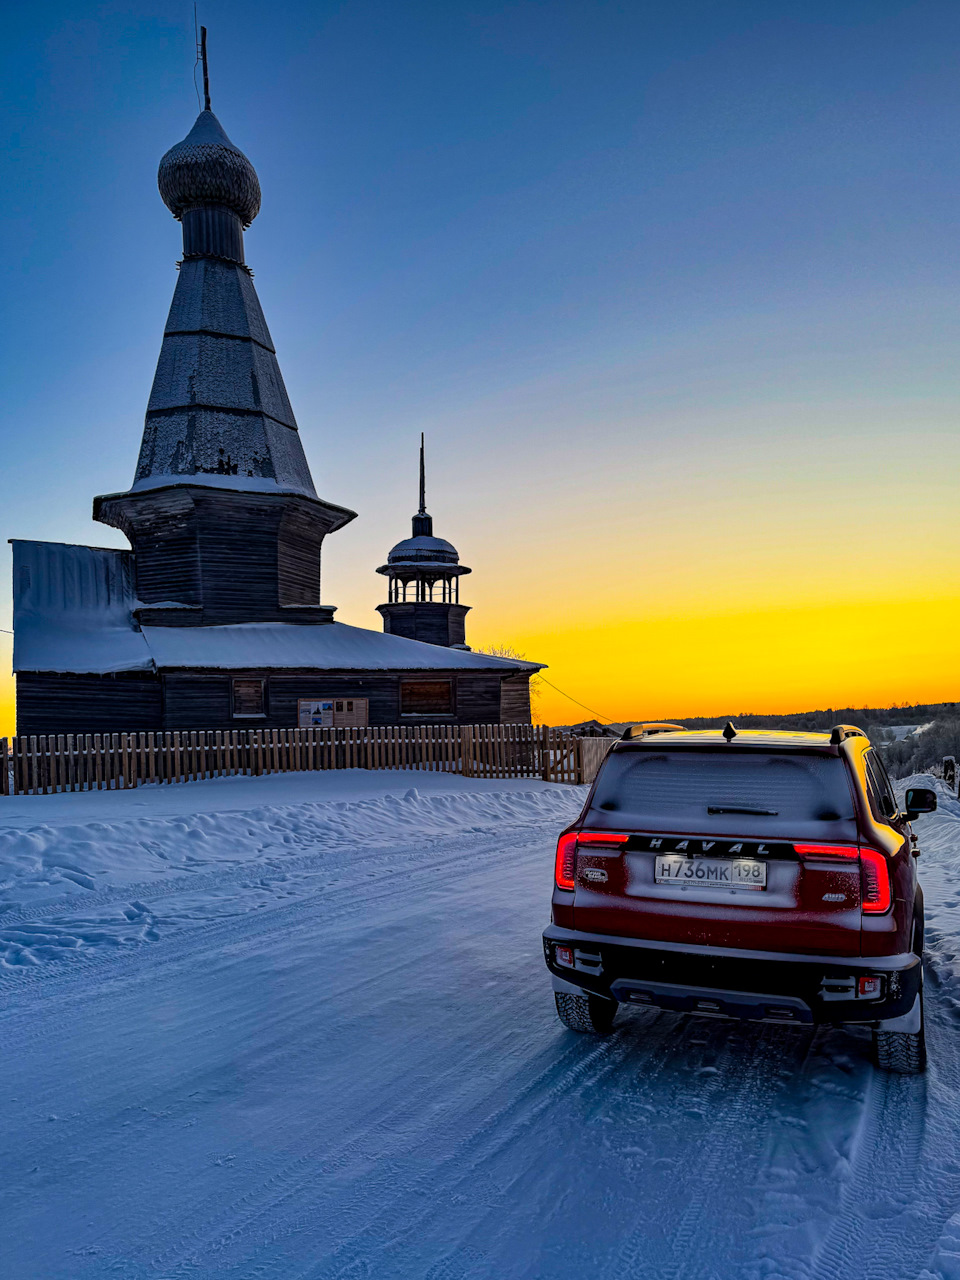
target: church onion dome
<point>207,169</point>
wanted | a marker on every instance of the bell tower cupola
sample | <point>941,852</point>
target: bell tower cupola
<point>423,583</point>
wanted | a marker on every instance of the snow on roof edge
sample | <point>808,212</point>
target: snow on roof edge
<point>334,646</point>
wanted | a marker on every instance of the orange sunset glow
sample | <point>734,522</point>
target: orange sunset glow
<point>689,394</point>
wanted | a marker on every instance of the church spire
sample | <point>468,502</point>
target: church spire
<point>206,74</point>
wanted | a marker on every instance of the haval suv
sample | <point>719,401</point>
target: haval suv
<point>760,875</point>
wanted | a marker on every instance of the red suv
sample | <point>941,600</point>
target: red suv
<point>762,875</point>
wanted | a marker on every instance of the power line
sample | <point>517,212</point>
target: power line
<point>579,704</point>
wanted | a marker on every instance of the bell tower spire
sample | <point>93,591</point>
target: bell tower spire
<point>422,523</point>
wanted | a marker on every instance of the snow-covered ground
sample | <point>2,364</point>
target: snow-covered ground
<point>300,1027</point>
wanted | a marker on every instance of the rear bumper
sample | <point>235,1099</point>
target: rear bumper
<point>754,985</point>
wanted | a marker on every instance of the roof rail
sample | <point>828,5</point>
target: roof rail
<point>643,730</point>
<point>841,731</point>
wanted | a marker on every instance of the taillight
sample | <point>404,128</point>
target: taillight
<point>875,894</point>
<point>844,852</point>
<point>566,868</point>
<point>567,861</point>
<point>587,838</point>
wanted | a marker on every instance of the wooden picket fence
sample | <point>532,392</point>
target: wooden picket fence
<point>43,764</point>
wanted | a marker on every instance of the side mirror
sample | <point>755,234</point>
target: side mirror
<point>919,800</point>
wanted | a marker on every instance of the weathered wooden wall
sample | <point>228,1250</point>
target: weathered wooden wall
<point>54,703</point>
<point>201,699</point>
<point>515,699</point>
<point>51,703</point>
<point>427,620</point>
<point>241,557</point>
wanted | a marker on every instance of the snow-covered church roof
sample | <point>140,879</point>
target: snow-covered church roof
<point>74,612</point>
<point>334,647</point>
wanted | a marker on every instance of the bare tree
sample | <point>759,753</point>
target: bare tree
<point>511,651</point>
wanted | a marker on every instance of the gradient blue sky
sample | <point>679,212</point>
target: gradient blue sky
<point>612,258</point>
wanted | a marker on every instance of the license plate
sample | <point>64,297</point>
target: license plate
<point>708,873</point>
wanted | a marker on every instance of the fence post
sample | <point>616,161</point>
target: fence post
<point>4,767</point>
<point>949,771</point>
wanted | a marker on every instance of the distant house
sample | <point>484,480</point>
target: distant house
<point>214,618</point>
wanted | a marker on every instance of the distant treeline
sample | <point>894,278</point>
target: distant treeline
<point>912,754</point>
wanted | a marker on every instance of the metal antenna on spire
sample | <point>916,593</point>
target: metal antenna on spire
<point>206,76</point>
<point>423,482</point>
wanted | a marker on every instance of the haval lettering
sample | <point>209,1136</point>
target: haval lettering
<point>762,875</point>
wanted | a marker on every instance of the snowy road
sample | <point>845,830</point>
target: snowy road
<point>317,1041</point>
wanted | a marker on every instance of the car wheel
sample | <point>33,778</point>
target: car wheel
<point>904,1052</point>
<point>586,1013</point>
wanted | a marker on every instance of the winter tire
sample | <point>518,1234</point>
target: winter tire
<point>586,1013</point>
<point>904,1052</point>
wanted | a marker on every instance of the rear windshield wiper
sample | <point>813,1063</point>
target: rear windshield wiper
<point>735,808</point>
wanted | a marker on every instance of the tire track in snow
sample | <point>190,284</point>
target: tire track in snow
<point>747,1075</point>
<point>650,1042</point>
<point>904,1179</point>
<point>461,1169</point>
<point>96,977</point>
<point>655,1058</point>
<point>208,1232</point>
<point>382,1188</point>
<point>394,1221</point>
<point>868,1231</point>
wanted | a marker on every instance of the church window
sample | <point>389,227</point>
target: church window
<point>248,699</point>
<point>426,697</point>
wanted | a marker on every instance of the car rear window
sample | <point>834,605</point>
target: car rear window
<point>782,794</point>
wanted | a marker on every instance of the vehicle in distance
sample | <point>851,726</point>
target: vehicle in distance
<point>763,875</point>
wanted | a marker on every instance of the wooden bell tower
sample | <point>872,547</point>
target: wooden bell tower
<point>423,575</point>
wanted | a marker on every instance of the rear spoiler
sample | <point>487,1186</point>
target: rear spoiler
<point>644,730</point>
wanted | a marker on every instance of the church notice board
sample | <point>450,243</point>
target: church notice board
<point>333,713</point>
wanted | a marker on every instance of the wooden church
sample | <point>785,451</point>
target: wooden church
<point>213,619</point>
